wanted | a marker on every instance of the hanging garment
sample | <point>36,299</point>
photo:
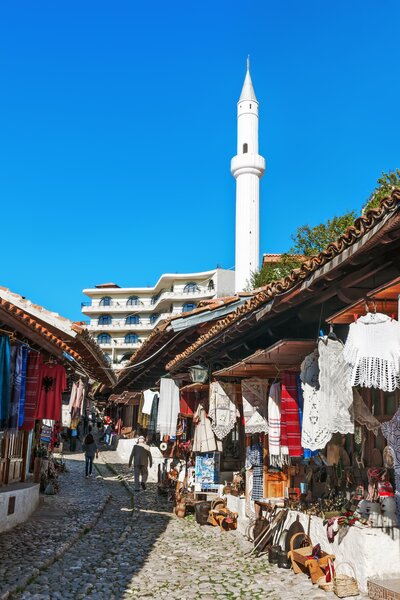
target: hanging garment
<point>21,410</point>
<point>152,428</point>
<point>255,460</point>
<point>335,391</point>
<point>188,403</point>
<point>15,385</point>
<point>372,350</point>
<point>222,409</point>
<point>314,435</point>
<point>53,384</point>
<point>76,399</point>
<point>277,457</point>
<point>32,389</point>
<point>143,418</point>
<point>362,414</point>
<point>204,439</point>
<point>391,431</point>
<point>307,453</point>
<point>148,396</point>
<point>5,355</point>
<point>290,420</point>
<point>168,407</point>
<point>254,394</point>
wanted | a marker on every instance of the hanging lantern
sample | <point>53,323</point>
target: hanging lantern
<point>198,374</point>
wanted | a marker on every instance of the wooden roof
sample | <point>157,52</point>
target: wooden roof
<point>285,355</point>
<point>384,299</point>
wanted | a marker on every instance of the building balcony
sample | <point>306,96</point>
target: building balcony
<point>147,305</point>
<point>113,343</point>
<point>121,325</point>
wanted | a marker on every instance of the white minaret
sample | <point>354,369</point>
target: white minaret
<point>247,167</point>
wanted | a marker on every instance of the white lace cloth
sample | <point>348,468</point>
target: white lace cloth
<point>372,350</point>
<point>335,391</point>
<point>222,409</point>
<point>254,395</point>
<point>314,435</point>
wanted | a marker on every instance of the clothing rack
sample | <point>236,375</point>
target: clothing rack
<point>13,338</point>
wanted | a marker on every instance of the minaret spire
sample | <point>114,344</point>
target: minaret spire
<point>247,167</point>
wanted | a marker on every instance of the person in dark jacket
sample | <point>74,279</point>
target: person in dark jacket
<point>89,447</point>
<point>142,459</point>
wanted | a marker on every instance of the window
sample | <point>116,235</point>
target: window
<point>106,301</point>
<point>245,148</point>
<point>132,320</point>
<point>154,317</point>
<point>133,301</point>
<point>188,307</point>
<point>104,338</point>
<point>211,286</point>
<point>105,320</point>
<point>131,338</point>
<point>191,288</point>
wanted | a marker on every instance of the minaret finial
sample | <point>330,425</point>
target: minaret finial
<point>248,62</point>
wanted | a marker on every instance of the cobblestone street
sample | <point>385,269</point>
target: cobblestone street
<point>98,540</point>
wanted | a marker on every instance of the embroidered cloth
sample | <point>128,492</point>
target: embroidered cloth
<point>204,438</point>
<point>362,414</point>
<point>335,391</point>
<point>314,435</point>
<point>254,394</point>
<point>290,418</point>
<point>372,350</point>
<point>222,409</point>
<point>391,431</point>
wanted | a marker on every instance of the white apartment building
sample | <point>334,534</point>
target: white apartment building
<point>122,318</point>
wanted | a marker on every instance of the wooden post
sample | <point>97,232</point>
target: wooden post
<point>25,449</point>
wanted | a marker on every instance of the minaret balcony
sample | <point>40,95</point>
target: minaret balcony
<point>248,163</point>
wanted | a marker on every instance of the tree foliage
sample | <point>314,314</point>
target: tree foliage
<point>386,183</point>
<point>308,241</point>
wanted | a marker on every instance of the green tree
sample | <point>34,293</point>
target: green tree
<point>274,271</point>
<point>386,184</point>
<point>308,241</point>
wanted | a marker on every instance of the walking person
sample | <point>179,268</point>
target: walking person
<point>142,460</point>
<point>89,447</point>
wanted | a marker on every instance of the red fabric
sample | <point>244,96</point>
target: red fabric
<point>33,379</point>
<point>290,417</point>
<point>188,404</point>
<point>53,382</point>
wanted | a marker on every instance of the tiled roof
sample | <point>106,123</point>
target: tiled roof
<point>354,234</point>
<point>56,331</point>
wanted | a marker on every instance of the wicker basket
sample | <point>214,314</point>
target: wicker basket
<point>345,585</point>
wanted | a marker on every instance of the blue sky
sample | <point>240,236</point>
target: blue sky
<point>118,123</point>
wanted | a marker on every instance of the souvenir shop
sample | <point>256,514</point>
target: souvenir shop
<point>43,382</point>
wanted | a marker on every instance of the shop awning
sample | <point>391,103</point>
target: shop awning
<point>386,300</point>
<point>285,355</point>
<point>126,398</point>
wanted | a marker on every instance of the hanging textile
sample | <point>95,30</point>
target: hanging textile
<point>168,408</point>
<point>21,409</point>
<point>391,431</point>
<point>188,403</point>
<point>372,350</point>
<point>362,414</point>
<point>76,399</point>
<point>255,460</point>
<point>204,439</point>
<point>222,409</point>
<point>335,391</point>
<point>255,394</point>
<point>143,418</point>
<point>148,396</point>
<point>32,389</point>
<point>53,384</point>
<point>277,455</point>
<point>5,355</point>
<point>152,428</point>
<point>15,385</point>
<point>290,420</point>
<point>314,435</point>
<point>307,453</point>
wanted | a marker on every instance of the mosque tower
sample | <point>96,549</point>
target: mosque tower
<point>247,167</point>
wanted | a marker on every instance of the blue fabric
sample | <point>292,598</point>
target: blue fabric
<point>255,458</point>
<point>300,401</point>
<point>5,353</point>
<point>21,413</point>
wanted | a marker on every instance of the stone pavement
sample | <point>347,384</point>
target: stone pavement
<point>136,548</point>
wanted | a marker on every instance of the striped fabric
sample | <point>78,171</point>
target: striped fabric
<point>290,418</point>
